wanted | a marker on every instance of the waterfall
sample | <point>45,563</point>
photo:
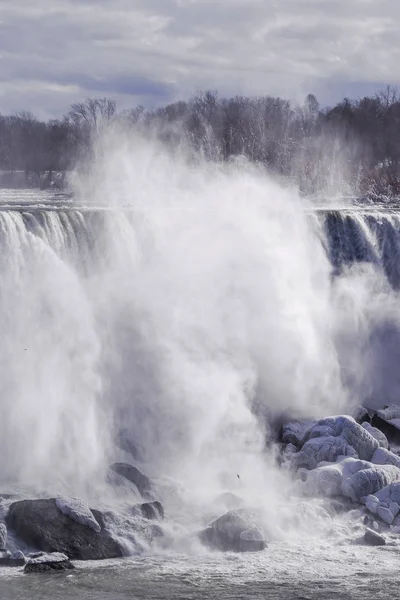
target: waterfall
<point>183,328</point>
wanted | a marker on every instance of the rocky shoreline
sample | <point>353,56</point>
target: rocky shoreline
<point>351,463</point>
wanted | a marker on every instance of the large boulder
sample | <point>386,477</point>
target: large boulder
<point>325,480</point>
<point>40,524</point>
<point>372,538</point>
<point>349,477</point>
<point>333,438</point>
<point>377,434</point>
<point>369,481</point>
<point>135,476</point>
<point>385,503</point>
<point>45,563</point>
<point>236,531</point>
<point>322,449</point>
<point>351,432</point>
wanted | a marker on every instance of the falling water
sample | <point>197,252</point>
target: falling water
<point>178,307</point>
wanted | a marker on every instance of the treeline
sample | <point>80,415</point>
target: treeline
<point>353,147</point>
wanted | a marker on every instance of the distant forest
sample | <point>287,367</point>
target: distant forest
<point>352,148</point>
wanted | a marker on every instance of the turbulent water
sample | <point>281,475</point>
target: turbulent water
<point>172,313</point>
<point>280,573</point>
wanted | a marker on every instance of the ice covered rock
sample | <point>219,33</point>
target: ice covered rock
<point>385,503</point>
<point>3,536</point>
<point>372,504</point>
<point>322,481</point>
<point>322,449</point>
<point>346,428</point>
<point>369,481</point>
<point>40,524</point>
<point>391,493</point>
<point>385,514</point>
<point>389,412</point>
<point>236,531</point>
<point>327,479</point>
<point>334,438</point>
<point>382,456</point>
<point>377,434</point>
<point>133,475</point>
<point>294,432</point>
<point>55,561</point>
<point>350,466</point>
<point>79,511</point>
<point>372,538</point>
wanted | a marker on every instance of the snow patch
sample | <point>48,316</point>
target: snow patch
<point>78,510</point>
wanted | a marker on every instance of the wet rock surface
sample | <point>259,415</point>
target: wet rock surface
<point>373,538</point>
<point>236,531</point>
<point>132,474</point>
<point>40,524</point>
<point>45,563</point>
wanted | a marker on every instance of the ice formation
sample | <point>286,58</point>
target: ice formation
<point>77,510</point>
<point>385,503</point>
<point>377,434</point>
<point>341,457</point>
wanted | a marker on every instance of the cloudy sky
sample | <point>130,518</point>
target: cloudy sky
<point>55,52</point>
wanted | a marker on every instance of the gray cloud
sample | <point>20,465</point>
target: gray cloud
<point>53,53</point>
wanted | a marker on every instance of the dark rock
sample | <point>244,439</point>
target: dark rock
<point>372,538</point>
<point>133,474</point>
<point>236,531</point>
<point>48,562</point>
<point>152,510</point>
<point>390,427</point>
<point>40,524</point>
<point>123,485</point>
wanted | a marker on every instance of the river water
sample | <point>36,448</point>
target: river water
<point>282,571</point>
